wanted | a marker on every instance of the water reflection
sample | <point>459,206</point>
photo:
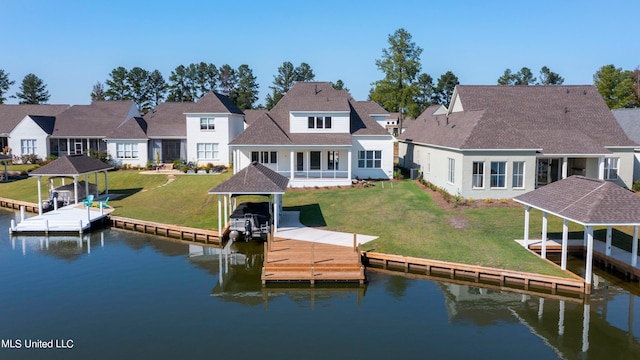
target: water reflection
<point>161,288</point>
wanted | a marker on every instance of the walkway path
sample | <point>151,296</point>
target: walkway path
<point>291,228</point>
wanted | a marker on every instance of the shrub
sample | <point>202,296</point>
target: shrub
<point>30,159</point>
<point>488,201</point>
<point>177,164</point>
<point>100,155</point>
<point>636,186</point>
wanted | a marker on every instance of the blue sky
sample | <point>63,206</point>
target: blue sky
<point>71,45</point>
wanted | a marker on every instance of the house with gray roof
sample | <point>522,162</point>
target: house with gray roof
<point>317,136</point>
<point>39,116</point>
<point>629,120</point>
<point>502,141</point>
<point>198,132</point>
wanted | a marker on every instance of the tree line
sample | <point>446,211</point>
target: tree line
<point>404,87</point>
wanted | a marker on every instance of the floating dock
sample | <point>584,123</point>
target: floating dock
<point>72,219</point>
<point>287,260</point>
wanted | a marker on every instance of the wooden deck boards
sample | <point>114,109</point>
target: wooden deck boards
<point>297,260</point>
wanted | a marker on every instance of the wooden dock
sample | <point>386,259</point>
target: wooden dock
<point>183,233</point>
<point>16,204</point>
<point>478,273</point>
<point>288,260</point>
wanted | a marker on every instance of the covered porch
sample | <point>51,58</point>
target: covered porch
<point>554,168</point>
<point>589,203</point>
<point>303,166</point>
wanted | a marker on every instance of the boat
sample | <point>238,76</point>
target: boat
<point>251,220</point>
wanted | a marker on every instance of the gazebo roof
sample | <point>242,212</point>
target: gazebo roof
<point>254,179</point>
<point>71,165</point>
<point>4,158</point>
<point>586,201</point>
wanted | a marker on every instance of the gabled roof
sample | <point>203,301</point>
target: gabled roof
<point>167,120</point>
<point>11,114</point>
<point>372,108</point>
<point>71,165</point>
<point>253,179</point>
<point>550,119</point>
<point>213,102</point>
<point>95,120</point>
<point>46,123</point>
<point>586,201</point>
<point>134,128</point>
<point>251,115</point>
<point>629,120</point>
<point>310,97</point>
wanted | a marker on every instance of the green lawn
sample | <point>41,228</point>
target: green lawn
<point>401,214</point>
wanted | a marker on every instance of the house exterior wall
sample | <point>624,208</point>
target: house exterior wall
<point>625,166</point>
<point>372,143</point>
<point>528,158</point>
<point>298,122</point>
<point>142,151</point>
<point>219,136</point>
<point>27,129</point>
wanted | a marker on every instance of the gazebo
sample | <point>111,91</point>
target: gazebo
<point>72,166</point>
<point>588,202</point>
<point>255,179</point>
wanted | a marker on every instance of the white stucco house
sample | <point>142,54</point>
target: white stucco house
<point>502,141</point>
<point>629,120</point>
<point>318,136</point>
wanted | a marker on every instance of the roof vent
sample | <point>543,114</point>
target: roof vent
<point>584,92</point>
<point>567,91</point>
<point>566,109</point>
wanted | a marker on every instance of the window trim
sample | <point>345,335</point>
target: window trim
<point>480,175</point>
<point>215,151</point>
<point>121,150</point>
<point>370,159</point>
<point>498,176</point>
<point>608,168</point>
<point>264,157</point>
<point>28,144</point>
<point>451,171</point>
<point>208,125</point>
<point>521,175</point>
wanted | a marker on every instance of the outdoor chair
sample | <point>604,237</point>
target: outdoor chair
<point>103,203</point>
<point>88,201</point>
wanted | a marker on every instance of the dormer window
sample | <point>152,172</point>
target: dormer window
<point>207,124</point>
<point>319,122</point>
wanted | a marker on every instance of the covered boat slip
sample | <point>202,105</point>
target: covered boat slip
<point>72,218</point>
<point>590,203</point>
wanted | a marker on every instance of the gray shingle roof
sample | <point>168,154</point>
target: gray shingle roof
<point>134,128</point>
<point>629,120</point>
<point>213,102</point>
<point>554,119</point>
<point>167,120</point>
<point>273,128</point>
<point>10,115</point>
<point>251,115</point>
<point>5,157</point>
<point>95,120</point>
<point>253,179</point>
<point>586,201</point>
<point>71,165</point>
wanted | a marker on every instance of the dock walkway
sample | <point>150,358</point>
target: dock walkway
<point>305,254</point>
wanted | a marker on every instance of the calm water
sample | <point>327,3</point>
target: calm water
<point>122,295</point>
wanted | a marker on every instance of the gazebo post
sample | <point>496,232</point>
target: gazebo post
<point>589,261</point>
<point>608,242</point>
<point>96,181</point>
<point>86,185</point>
<point>219,216</point>
<point>75,189</point>
<point>106,183</point>
<point>226,203</point>
<point>565,240</point>
<point>544,235</point>
<point>527,210</point>
<point>39,196</point>
<point>634,247</point>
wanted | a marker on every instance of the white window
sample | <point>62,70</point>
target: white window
<point>370,159</point>
<point>28,146</point>
<point>611,168</point>
<point>207,151</point>
<point>127,150</point>
<point>319,122</point>
<point>478,175</point>
<point>518,175</point>
<point>451,175</point>
<point>265,157</point>
<point>498,174</point>
<point>207,124</point>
